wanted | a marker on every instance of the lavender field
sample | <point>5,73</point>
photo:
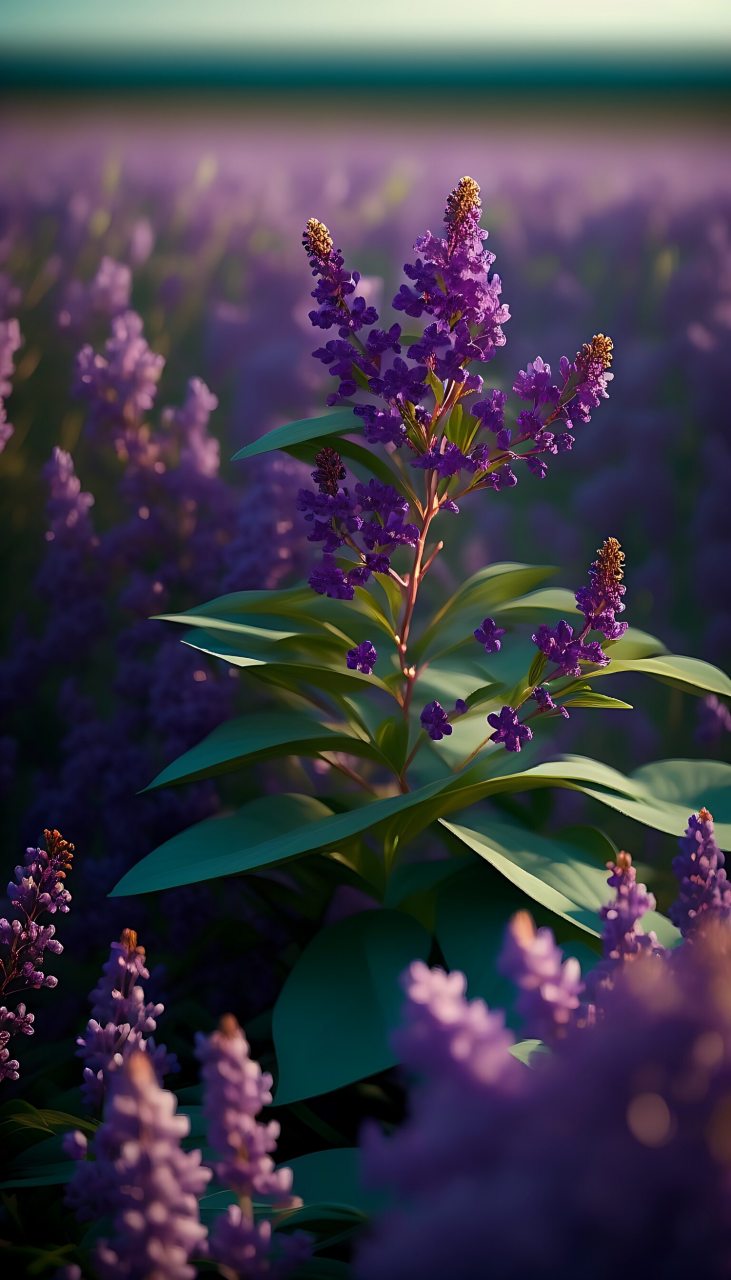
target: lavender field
<point>156,318</point>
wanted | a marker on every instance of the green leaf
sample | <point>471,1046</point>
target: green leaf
<point>556,876</point>
<point>258,736</point>
<point>529,1052</point>
<point>18,1116</point>
<point>334,1017</point>
<point>367,460</point>
<point>263,833</point>
<point>532,607</point>
<point>295,433</point>
<point>598,700</point>
<point>690,674</point>
<point>694,784</point>
<point>485,590</point>
<point>332,1177</point>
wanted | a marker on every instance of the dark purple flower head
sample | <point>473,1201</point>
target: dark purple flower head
<point>562,647</point>
<point>328,579</point>
<point>704,892</point>
<point>622,941</point>
<point>490,413</point>
<point>339,305</point>
<point>602,599</point>
<point>550,987</point>
<point>435,721</point>
<point>362,657</point>
<point>534,383</point>
<point>489,633</point>
<point>329,471</point>
<point>542,696</point>
<point>451,280</point>
<point>508,729</point>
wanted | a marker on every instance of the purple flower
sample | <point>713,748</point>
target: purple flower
<point>327,579</point>
<point>602,599</point>
<point>121,385</point>
<point>362,657</point>
<point>534,383</point>
<point>567,650</point>
<point>243,1247</point>
<point>122,1021</point>
<point>550,987</point>
<point>435,721</point>
<point>490,413</point>
<point>508,729</point>
<point>488,633</point>
<point>10,341</point>
<point>704,891</point>
<point>38,889</point>
<point>622,941</point>
<point>542,696</point>
<point>142,1179</point>
<point>234,1091</point>
<point>68,506</point>
<point>460,707</point>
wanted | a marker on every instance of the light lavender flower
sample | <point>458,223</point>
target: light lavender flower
<point>704,889</point>
<point>550,987</point>
<point>122,1021</point>
<point>142,1179</point>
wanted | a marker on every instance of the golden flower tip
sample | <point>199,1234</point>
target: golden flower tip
<point>128,940</point>
<point>461,202</point>
<point>704,815</point>
<point>523,928</point>
<point>611,560</point>
<point>598,350</point>
<point>57,847</point>
<point>624,860</point>
<point>228,1026</point>
<point>317,240</point>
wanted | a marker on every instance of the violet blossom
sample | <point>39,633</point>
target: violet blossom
<point>704,892</point>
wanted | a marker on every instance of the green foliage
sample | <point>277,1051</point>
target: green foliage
<point>333,1019</point>
<point>296,433</point>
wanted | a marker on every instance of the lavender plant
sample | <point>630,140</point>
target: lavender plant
<point>403,720</point>
<point>38,890</point>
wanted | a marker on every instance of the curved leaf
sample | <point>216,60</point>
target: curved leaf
<point>690,674</point>
<point>334,1017</point>
<point>485,590</point>
<point>258,736</point>
<point>295,433</point>
<point>244,841</point>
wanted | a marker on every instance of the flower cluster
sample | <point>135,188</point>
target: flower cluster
<point>235,1090</point>
<point>564,649</point>
<point>141,1179</point>
<point>38,889</point>
<point>550,987</point>
<point>705,891</point>
<point>370,521</point>
<point>450,284</point>
<point>10,341</point>
<point>637,1100</point>
<point>122,1021</point>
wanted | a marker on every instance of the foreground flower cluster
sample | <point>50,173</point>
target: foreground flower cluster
<point>632,1102</point>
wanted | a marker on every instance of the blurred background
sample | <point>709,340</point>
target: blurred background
<point>162,159</point>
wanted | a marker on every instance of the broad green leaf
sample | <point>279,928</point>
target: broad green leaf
<point>295,433</point>
<point>258,736</point>
<point>532,607</point>
<point>480,593</point>
<point>263,833</point>
<point>286,672</point>
<point>21,1116</point>
<point>690,674</point>
<point>243,841</point>
<point>556,876</point>
<point>334,1017</point>
<point>694,784</point>
<point>332,1177</point>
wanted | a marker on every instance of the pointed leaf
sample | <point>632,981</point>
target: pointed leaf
<point>333,1021</point>
<point>295,433</point>
<point>258,736</point>
<point>483,591</point>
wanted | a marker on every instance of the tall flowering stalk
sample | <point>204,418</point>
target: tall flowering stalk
<point>141,1180</point>
<point>704,890</point>
<point>421,404</point>
<point>122,1021</point>
<point>38,889</point>
<point>235,1090</point>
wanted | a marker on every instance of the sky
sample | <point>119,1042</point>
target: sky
<point>313,27</point>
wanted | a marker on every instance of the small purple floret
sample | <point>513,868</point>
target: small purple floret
<point>362,657</point>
